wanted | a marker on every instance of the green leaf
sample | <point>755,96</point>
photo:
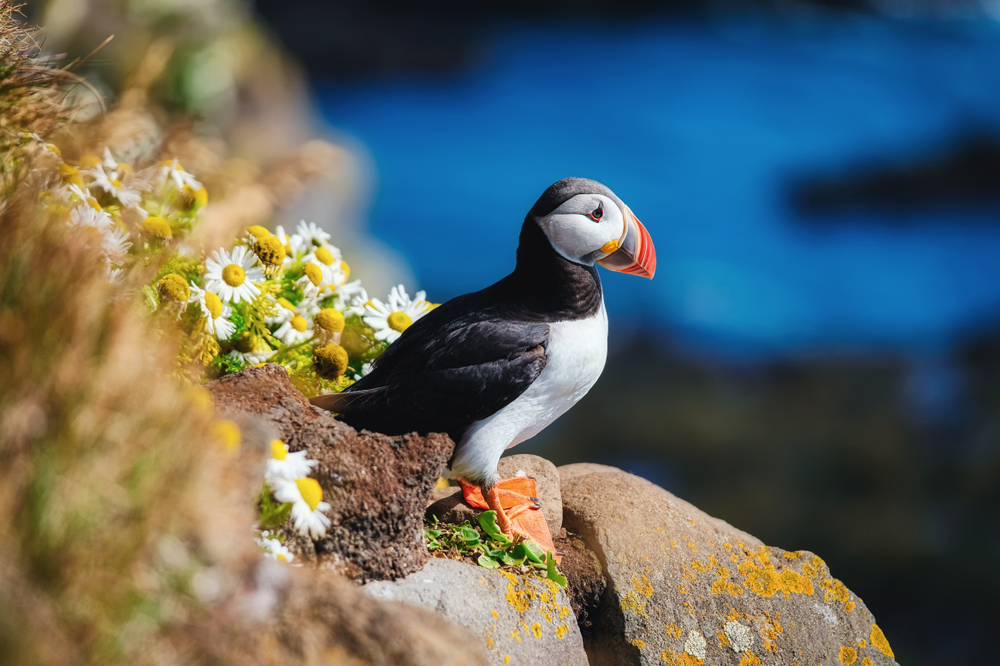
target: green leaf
<point>488,521</point>
<point>488,562</point>
<point>433,534</point>
<point>468,535</point>
<point>533,551</point>
<point>552,572</point>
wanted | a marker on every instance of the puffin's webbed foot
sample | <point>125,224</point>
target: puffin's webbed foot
<point>519,514</point>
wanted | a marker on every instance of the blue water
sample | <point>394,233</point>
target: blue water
<point>699,127</point>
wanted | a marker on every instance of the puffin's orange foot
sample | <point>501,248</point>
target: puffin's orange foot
<point>518,510</point>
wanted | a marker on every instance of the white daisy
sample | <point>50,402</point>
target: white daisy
<point>308,506</point>
<point>315,281</point>
<point>313,236</point>
<point>275,549</point>
<point>215,311</point>
<point>329,262</point>
<point>172,170</point>
<point>116,244</point>
<point>346,295</point>
<point>357,303</point>
<point>232,276</point>
<point>286,240</point>
<point>298,327</point>
<point>284,309</point>
<point>87,216</point>
<point>114,275</point>
<point>390,319</point>
<point>118,183</point>
<point>285,465</point>
<point>259,354</point>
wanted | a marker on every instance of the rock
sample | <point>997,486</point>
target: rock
<point>686,588</point>
<point>451,508</point>
<point>520,620</point>
<point>376,485</point>
<point>573,470</point>
<point>585,579</point>
<point>547,483</point>
<point>319,618</point>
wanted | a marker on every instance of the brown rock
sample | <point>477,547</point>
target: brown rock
<point>685,587</point>
<point>573,470</point>
<point>376,485</point>
<point>519,620</point>
<point>546,481</point>
<point>320,618</point>
<point>451,508</point>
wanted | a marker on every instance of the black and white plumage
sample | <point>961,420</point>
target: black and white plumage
<point>494,367</point>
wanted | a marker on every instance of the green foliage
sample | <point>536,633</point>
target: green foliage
<point>224,364</point>
<point>490,547</point>
<point>272,513</point>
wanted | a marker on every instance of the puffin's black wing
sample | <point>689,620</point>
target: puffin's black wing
<point>446,372</point>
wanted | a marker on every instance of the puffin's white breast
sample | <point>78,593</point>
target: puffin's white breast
<point>574,358</point>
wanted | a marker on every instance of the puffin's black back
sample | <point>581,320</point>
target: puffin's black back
<point>474,354</point>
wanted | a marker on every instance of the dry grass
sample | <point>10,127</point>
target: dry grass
<point>124,525</point>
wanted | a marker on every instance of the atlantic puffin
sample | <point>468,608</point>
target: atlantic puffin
<point>494,367</point>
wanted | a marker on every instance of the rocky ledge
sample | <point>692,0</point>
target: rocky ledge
<point>652,579</point>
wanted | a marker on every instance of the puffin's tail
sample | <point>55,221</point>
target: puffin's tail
<point>340,403</point>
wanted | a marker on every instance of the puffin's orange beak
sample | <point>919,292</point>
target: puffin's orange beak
<point>635,253</point>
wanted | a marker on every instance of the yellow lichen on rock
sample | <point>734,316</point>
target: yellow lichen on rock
<point>672,658</point>
<point>639,643</point>
<point>749,659</point>
<point>642,586</point>
<point>633,602</point>
<point>674,630</point>
<point>847,655</point>
<point>878,639</point>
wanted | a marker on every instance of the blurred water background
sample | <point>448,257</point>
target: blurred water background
<point>818,359</point>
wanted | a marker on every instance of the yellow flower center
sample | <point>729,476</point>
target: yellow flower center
<point>285,303</point>
<point>92,202</point>
<point>54,148</point>
<point>115,182</point>
<point>157,226</point>
<point>278,449</point>
<point>90,161</point>
<point>233,275</point>
<point>330,320</point>
<point>399,321</point>
<point>347,269</point>
<point>314,274</point>
<point>270,250</point>
<point>282,558</point>
<point>258,232</point>
<point>228,433</point>
<point>298,323</point>
<point>173,287</point>
<point>213,304</point>
<point>311,492</point>
<point>324,255</point>
<point>330,361</point>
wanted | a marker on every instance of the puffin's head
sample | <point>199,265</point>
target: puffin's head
<point>586,223</point>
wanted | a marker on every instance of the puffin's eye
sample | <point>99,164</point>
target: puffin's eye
<point>597,214</point>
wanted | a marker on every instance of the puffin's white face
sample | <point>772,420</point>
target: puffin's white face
<point>586,228</point>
